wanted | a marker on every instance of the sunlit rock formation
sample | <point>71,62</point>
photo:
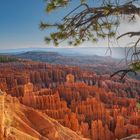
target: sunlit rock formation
<point>22,122</point>
<point>93,106</point>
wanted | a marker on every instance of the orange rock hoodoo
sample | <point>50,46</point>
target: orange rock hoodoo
<point>93,106</point>
<point>70,78</point>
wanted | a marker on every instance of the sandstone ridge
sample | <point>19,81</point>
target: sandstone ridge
<point>25,123</point>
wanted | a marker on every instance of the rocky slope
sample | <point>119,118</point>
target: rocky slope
<point>23,123</point>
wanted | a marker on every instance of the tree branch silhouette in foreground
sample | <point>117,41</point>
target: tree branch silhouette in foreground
<point>89,22</point>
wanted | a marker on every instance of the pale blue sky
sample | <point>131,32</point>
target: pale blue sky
<point>19,22</point>
<point>20,19</point>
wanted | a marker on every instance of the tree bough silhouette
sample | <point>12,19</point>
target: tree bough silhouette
<point>88,23</point>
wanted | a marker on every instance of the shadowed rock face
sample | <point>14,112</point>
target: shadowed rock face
<point>94,106</point>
